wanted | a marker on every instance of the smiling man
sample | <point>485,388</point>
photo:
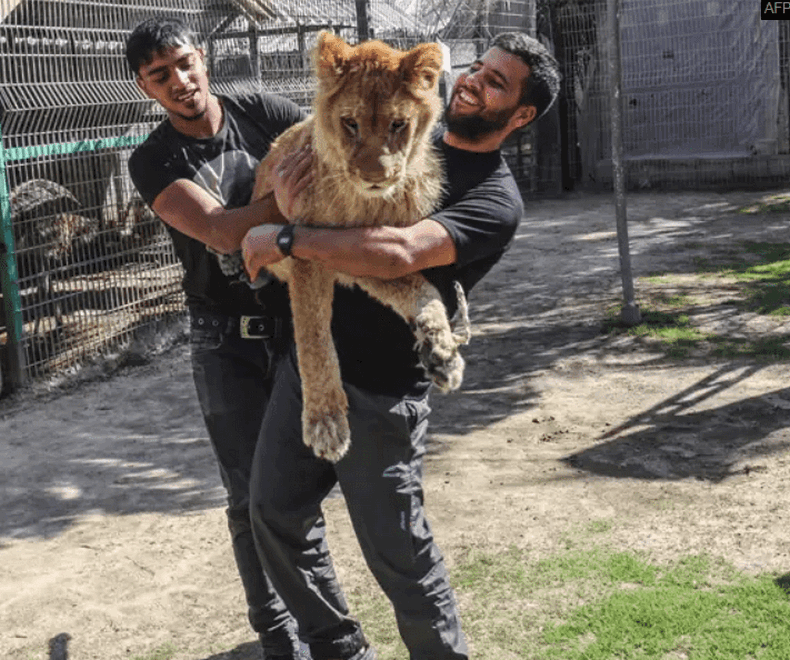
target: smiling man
<point>486,102</point>
<point>511,85</point>
<point>196,171</point>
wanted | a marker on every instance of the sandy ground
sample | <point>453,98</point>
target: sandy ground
<point>113,527</point>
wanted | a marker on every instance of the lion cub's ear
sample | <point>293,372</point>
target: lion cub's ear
<point>331,53</point>
<point>422,66</point>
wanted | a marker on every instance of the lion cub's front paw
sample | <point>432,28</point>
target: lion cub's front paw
<point>438,348</point>
<point>328,435</point>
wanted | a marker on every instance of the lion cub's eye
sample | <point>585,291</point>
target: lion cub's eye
<point>350,125</point>
<point>398,125</point>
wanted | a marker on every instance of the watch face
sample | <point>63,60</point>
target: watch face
<point>285,240</point>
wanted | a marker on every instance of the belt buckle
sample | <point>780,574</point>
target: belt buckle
<point>248,330</point>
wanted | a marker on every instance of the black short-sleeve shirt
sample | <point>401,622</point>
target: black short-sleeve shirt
<point>481,209</point>
<point>224,165</point>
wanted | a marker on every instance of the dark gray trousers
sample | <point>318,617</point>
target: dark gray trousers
<point>233,378</point>
<point>381,480</point>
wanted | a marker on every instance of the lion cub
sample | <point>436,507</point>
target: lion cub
<point>373,164</point>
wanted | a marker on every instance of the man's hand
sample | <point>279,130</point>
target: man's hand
<point>259,249</point>
<point>290,178</point>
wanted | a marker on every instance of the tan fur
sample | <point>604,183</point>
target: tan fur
<point>390,97</point>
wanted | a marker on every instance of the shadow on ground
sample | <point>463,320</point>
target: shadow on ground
<point>669,441</point>
<point>246,651</point>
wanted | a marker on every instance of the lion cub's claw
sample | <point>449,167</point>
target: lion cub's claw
<point>328,436</point>
<point>438,351</point>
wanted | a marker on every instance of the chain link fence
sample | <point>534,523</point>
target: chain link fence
<point>85,265</point>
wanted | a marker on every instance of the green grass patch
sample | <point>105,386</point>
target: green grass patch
<point>764,273</point>
<point>599,604</point>
<point>675,333</point>
<point>772,204</point>
<point>673,330</point>
<point>599,527</point>
<point>756,277</point>
<point>764,348</point>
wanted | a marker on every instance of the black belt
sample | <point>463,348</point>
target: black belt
<point>250,327</point>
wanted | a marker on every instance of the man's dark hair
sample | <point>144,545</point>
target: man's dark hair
<point>543,84</point>
<point>154,35</point>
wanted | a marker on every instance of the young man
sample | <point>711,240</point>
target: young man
<point>196,171</point>
<point>381,476</point>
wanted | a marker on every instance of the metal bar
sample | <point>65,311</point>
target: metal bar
<point>255,52</point>
<point>629,313</point>
<point>296,28</point>
<point>9,284</point>
<point>363,23</point>
<point>27,153</point>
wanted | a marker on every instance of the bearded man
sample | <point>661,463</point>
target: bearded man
<point>506,89</point>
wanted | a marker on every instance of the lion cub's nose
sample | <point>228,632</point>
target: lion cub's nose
<point>374,175</point>
<point>375,167</point>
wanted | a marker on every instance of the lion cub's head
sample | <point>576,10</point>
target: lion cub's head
<point>374,109</point>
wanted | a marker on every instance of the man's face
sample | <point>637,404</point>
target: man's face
<point>486,97</point>
<point>178,80</point>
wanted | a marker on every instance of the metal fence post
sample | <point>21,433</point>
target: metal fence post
<point>363,21</point>
<point>9,285</point>
<point>630,312</point>
<point>255,51</point>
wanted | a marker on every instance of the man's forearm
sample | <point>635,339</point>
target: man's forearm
<point>361,252</point>
<point>230,226</point>
<point>193,212</point>
<point>385,252</point>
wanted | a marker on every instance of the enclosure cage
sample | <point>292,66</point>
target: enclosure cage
<point>704,90</point>
<point>84,264</point>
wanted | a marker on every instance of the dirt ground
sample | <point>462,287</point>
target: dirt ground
<point>113,527</point>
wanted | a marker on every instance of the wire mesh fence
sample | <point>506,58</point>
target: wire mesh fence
<point>704,92</point>
<point>85,264</point>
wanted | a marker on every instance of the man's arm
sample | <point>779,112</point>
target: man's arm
<point>187,207</point>
<point>384,252</point>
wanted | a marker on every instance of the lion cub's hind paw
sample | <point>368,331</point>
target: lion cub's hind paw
<point>447,374</point>
<point>329,437</point>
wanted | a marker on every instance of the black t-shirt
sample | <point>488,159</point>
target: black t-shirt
<point>481,209</point>
<point>224,165</point>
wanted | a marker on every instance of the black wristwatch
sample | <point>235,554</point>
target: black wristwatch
<point>285,239</point>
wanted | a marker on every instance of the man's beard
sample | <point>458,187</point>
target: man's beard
<point>195,117</point>
<point>199,113</point>
<point>472,127</point>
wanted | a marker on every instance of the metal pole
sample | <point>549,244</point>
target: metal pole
<point>363,22</point>
<point>255,52</point>
<point>9,285</point>
<point>630,312</point>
